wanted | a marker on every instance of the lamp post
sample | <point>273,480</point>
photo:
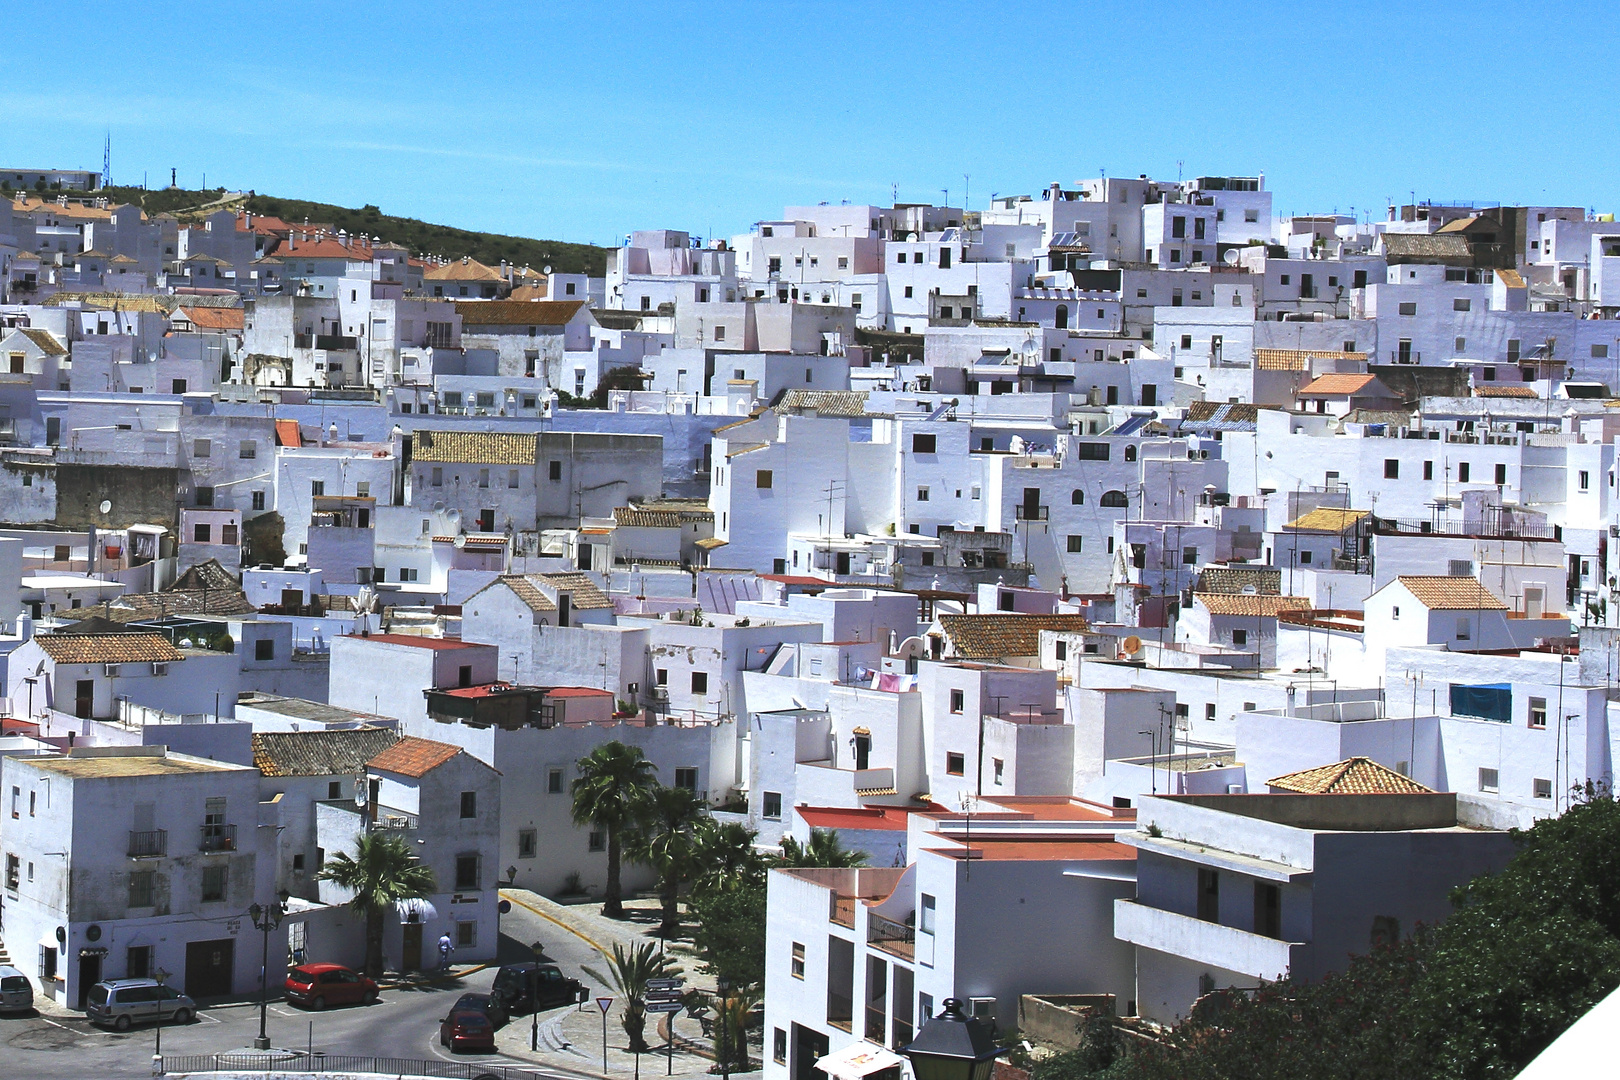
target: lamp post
<point>953,1046</point>
<point>265,919</point>
<point>722,986</point>
<point>161,977</point>
<point>534,997</point>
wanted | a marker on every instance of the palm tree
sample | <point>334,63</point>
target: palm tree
<point>824,850</point>
<point>628,973</point>
<point>381,873</point>
<point>724,857</point>
<point>735,1008</point>
<point>608,793</point>
<point>663,841</point>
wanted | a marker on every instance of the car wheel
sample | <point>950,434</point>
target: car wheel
<point>182,1016</point>
<point>372,996</point>
<point>317,1003</point>
<point>121,1023</point>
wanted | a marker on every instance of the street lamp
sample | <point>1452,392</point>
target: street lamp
<point>265,919</point>
<point>722,986</point>
<point>953,1046</point>
<point>161,977</point>
<point>537,948</point>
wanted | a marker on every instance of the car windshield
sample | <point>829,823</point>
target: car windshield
<point>98,995</point>
<point>303,975</point>
<point>471,1020</point>
<point>20,982</point>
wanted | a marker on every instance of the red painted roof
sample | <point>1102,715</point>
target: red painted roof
<point>486,690</point>
<point>799,579</point>
<point>1041,850</point>
<point>577,691</point>
<point>892,818</point>
<point>414,757</point>
<point>413,640</point>
<point>287,433</point>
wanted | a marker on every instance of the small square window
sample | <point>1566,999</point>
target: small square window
<point>469,804</point>
<point>596,841</point>
<point>798,960</point>
<point>771,805</point>
<point>762,479</point>
<point>955,764</point>
<point>1488,780</point>
<point>700,682</point>
<point>956,701</point>
<point>1542,789</point>
<point>528,843</point>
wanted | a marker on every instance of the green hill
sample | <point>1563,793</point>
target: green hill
<point>421,237</point>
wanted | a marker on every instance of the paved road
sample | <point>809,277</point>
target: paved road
<point>404,1024</point>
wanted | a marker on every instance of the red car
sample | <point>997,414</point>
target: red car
<point>316,986</point>
<point>467,1029</point>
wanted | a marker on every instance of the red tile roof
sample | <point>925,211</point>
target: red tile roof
<point>517,312</point>
<point>214,318</point>
<point>1337,384</point>
<point>418,642</point>
<point>287,433</point>
<point>1354,776</point>
<point>414,757</point>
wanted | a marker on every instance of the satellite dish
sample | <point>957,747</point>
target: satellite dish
<point>1133,644</point>
<point>438,508</point>
<point>546,268</point>
<point>455,517</point>
<point>106,506</point>
<point>362,791</point>
<point>1230,258</point>
<point>461,541</point>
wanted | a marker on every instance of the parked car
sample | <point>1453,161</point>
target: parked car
<point>16,992</point>
<point>523,988</point>
<point>316,986</point>
<point>118,1003</point>
<point>490,1006</point>
<point>467,1029</point>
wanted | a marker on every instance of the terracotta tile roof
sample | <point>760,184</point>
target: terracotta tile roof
<point>524,590</point>
<point>1250,604</point>
<point>108,648</point>
<point>288,434</point>
<point>45,340</point>
<point>1511,278</point>
<point>1424,246</point>
<point>994,637</point>
<point>1234,579</point>
<point>206,575</point>
<point>462,270</point>
<point>1505,391</point>
<point>1451,593</point>
<point>825,402</point>
<point>1355,776</point>
<point>411,756</point>
<point>319,753</point>
<point>583,590</point>
<point>517,312</point>
<point>1327,519</point>
<point>133,607</point>
<point>651,517</point>
<point>419,641</point>
<point>1235,411</point>
<point>477,447</point>
<point>1337,384</point>
<point>1298,359</point>
<point>214,318</point>
<point>327,247</point>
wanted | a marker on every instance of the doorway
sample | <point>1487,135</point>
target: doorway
<point>89,975</point>
<point>809,1047</point>
<point>209,965</point>
<point>412,959</point>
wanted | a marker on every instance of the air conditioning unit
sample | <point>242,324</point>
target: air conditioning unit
<point>983,1008</point>
<point>160,669</point>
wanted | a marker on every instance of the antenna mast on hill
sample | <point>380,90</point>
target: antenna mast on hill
<point>106,161</point>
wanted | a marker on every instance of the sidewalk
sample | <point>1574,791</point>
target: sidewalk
<point>571,1038</point>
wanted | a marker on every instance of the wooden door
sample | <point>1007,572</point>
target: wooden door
<point>412,960</point>
<point>209,965</point>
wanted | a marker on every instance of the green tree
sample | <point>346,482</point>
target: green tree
<point>824,850</point>
<point>731,1037</point>
<point>663,841</point>
<point>381,873</point>
<point>609,793</point>
<point>724,857</point>
<point>627,972</point>
<point>730,934</point>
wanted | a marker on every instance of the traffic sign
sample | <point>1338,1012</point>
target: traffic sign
<point>604,1003</point>
<point>663,995</point>
<point>664,1006</point>
<point>665,984</point>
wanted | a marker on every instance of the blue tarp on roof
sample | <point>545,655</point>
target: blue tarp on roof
<point>1484,701</point>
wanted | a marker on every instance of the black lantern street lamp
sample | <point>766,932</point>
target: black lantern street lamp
<point>723,986</point>
<point>265,919</point>
<point>953,1046</point>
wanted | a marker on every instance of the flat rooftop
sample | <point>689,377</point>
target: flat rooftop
<point>302,709</point>
<point>79,765</point>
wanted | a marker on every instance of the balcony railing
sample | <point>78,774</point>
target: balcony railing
<point>149,844</point>
<point>843,911</point>
<point>394,820</point>
<point>218,838</point>
<point>840,1011</point>
<point>1022,512</point>
<point>1408,356</point>
<point>897,938</point>
<point>876,1020</point>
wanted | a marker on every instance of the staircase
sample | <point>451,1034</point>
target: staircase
<point>5,957</point>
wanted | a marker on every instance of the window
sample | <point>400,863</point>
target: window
<point>700,682</point>
<point>483,478</point>
<point>955,764</point>
<point>202,533</point>
<point>469,804</point>
<point>247,450</point>
<point>264,649</point>
<point>1061,649</point>
<point>1501,475</point>
<point>1240,638</point>
<point>1267,909</point>
<point>1488,780</point>
<point>1459,304</point>
<point>13,871</point>
<point>922,494</point>
<point>1077,497</point>
<point>1428,470</point>
<point>528,843</point>
<point>1541,789</point>
<point>205,496</point>
<point>1113,499</point>
<point>956,705</point>
<point>142,889</point>
<point>925,917</point>
<point>779,1044</point>
<point>138,962</point>
<point>554,470</point>
<point>201,448</point>
<point>466,935</point>
<point>771,805</point>
<point>466,871</point>
<point>762,479</point>
<point>1538,712</point>
<point>511,478</point>
<point>922,444</point>
<point>798,960</point>
<point>596,840</point>
<point>1462,472</point>
<point>1305,557</point>
<point>1585,480</point>
<point>1209,895</point>
<point>1189,556</point>
<point>554,781</point>
<point>719,333</point>
<point>438,476</point>
<point>316,487</point>
<point>1464,629</point>
<point>996,765</point>
<point>1408,308</point>
<point>1075,543</point>
<point>214,880</point>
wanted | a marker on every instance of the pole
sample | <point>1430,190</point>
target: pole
<point>604,1040</point>
<point>263,1041</point>
<point>309,1053</point>
<point>725,1046</point>
<point>669,1047</point>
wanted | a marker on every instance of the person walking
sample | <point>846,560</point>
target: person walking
<point>445,949</point>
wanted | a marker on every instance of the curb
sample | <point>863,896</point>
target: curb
<point>586,938</point>
<point>397,984</point>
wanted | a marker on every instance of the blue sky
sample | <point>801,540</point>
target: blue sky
<point>584,121</point>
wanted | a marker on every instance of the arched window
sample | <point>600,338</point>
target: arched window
<point>1130,453</point>
<point>1063,316</point>
<point>1078,498</point>
<point>1113,498</point>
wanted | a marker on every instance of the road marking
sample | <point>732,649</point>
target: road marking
<point>64,1027</point>
<point>204,1018</point>
<point>282,1012</point>
<point>518,900</point>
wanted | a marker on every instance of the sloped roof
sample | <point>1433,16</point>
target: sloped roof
<point>1299,359</point>
<point>288,433</point>
<point>825,402</point>
<point>108,648</point>
<point>206,575</point>
<point>461,270</point>
<point>1217,412</point>
<point>1451,593</point>
<point>411,756</point>
<point>134,607</point>
<point>45,340</point>
<point>1507,391</point>
<point>1511,278</point>
<point>994,637</point>
<point>215,318</point>
<point>477,447</point>
<point>525,591</point>
<point>581,588</point>
<point>1337,384</point>
<point>517,312</point>
<point>1234,579</point>
<point>1250,604</point>
<point>658,517</point>
<point>319,753</point>
<point>1354,776</point>
<point>1420,246</point>
<point>1327,519</point>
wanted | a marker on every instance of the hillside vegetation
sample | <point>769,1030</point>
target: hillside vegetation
<point>421,237</point>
